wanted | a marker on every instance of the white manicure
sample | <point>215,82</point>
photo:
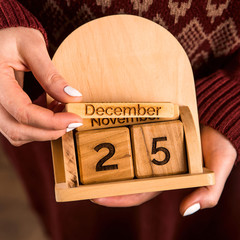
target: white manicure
<point>69,129</point>
<point>73,126</point>
<point>72,91</point>
<point>194,208</point>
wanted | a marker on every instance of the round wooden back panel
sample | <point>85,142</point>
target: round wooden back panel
<point>124,58</point>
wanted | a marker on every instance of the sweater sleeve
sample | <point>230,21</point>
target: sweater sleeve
<point>218,98</point>
<point>13,14</point>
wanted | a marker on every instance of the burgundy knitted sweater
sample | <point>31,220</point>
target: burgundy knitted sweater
<point>208,30</point>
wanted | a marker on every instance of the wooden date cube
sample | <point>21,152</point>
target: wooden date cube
<point>158,149</point>
<point>104,155</point>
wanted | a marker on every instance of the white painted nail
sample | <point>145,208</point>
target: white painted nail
<point>72,126</point>
<point>194,208</point>
<point>69,129</point>
<point>72,91</point>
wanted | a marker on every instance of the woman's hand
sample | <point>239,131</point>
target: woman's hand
<point>219,156</point>
<point>131,200</point>
<point>23,49</point>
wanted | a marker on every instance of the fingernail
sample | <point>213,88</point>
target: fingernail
<point>72,126</point>
<point>194,208</point>
<point>72,91</point>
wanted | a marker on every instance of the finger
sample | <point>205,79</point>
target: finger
<point>125,201</point>
<point>208,197</point>
<point>19,76</point>
<point>219,156</point>
<point>19,134</point>
<point>53,104</point>
<point>56,106</point>
<point>22,109</point>
<point>37,59</point>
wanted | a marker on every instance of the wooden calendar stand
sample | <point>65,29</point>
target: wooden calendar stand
<point>127,59</point>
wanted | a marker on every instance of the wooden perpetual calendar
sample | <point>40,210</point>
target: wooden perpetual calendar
<point>140,128</point>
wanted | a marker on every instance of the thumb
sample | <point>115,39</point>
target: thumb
<point>219,156</point>
<point>204,197</point>
<point>36,57</point>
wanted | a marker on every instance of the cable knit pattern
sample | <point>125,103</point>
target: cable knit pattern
<point>209,32</point>
<point>219,104</point>
<point>13,14</point>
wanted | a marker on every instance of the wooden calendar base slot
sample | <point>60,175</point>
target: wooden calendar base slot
<point>133,186</point>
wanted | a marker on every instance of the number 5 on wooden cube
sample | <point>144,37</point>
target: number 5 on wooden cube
<point>158,149</point>
<point>104,155</point>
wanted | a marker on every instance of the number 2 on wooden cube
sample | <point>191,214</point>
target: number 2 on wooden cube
<point>158,149</point>
<point>104,155</point>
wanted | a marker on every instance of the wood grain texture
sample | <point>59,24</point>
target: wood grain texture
<point>121,110</point>
<point>104,155</point>
<point>126,58</point>
<point>194,152</point>
<point>69,158</point>
<point>158,149</point>
<point>58,163</point>
<point>134,186</point>
<point>99,123</point>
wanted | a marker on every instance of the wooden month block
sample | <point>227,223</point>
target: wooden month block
<point>104,155</point>
<point>69,159</point>
<point>158,149</point>
<point>107,122</point>
<point>122,110</point>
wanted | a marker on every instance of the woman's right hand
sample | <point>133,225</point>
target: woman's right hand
<point>24,49</point>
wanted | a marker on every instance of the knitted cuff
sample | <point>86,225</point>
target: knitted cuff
<point>13,14</point>
<point>218,98</point>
